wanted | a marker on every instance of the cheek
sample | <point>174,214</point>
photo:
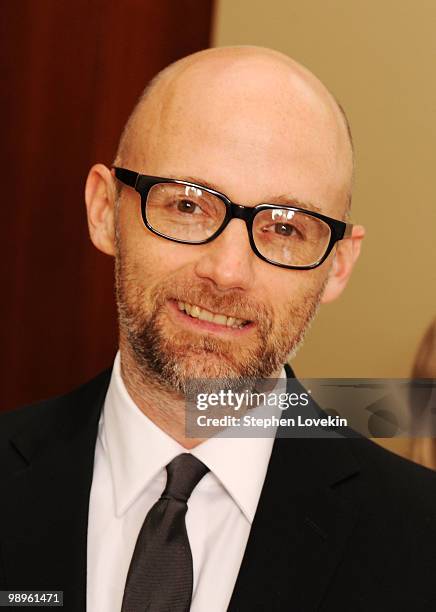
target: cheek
<point>292,284</point>
<point>294,289</point>
<point>150,257</point>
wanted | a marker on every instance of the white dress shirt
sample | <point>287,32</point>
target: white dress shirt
<point>129,476</point>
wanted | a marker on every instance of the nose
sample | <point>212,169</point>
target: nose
<point>228,261</point>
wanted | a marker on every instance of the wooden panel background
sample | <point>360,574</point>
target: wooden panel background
<point>71,74</point>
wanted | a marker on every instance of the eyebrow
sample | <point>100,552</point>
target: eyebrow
<point>286,200</point>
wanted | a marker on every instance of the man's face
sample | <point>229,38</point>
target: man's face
<point>254,150</point>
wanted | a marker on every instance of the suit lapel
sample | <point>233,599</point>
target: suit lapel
<point>300,529</point>
<point>45,511</point>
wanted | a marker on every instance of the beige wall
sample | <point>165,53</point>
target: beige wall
<point>378,57</point>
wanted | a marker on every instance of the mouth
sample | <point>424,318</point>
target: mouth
<point>202,318</point>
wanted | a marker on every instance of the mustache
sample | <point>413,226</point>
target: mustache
<point>232,304</point>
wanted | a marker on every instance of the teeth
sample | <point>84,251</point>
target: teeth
<point>195,311</point>
<point>220,319</point>
<point>205,315</point>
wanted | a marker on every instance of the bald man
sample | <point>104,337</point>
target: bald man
<point>226,211</point>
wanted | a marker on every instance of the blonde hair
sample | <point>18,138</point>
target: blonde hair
<point>425,360</point>
<point>423,449</point>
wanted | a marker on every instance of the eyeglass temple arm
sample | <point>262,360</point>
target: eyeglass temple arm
<point>348,230</point>
<point>128,177</point>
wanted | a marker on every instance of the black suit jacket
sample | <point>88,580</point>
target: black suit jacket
<point>341,525</point>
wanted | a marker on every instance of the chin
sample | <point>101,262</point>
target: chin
<point>203,364</point>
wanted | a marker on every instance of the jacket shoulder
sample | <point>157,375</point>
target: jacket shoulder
<point>373,457</point>
<point>398,485</point>
<point>57,416</point>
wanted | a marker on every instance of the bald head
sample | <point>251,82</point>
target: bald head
<point>252,97</point>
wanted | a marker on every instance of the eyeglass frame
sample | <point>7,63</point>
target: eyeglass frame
<point>142,183</point>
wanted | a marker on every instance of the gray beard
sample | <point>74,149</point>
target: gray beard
<point>161,362</point>
<point>173,364</point>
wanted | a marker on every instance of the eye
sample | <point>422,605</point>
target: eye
<point>284,229</point>
<point>186,206</point>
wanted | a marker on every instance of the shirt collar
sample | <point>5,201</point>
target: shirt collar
<point>138,451</point>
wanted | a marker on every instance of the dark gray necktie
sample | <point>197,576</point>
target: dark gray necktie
<point>160,575</point>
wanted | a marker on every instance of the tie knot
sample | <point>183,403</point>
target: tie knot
<point>184,473</point>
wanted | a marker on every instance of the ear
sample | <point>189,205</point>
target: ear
<point>100,201</point>
<point>346,254</point>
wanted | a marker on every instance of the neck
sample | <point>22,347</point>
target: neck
<point>165,408</point>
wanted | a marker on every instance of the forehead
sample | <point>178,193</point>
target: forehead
<point>253,132</point>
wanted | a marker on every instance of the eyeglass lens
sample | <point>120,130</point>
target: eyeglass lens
<point>192,214</point>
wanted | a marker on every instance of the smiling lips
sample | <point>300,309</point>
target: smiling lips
<point>205,315</point>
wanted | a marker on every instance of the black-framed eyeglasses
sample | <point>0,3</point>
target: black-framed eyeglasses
<point>282,235</point>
